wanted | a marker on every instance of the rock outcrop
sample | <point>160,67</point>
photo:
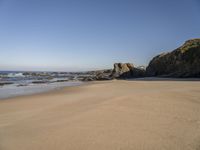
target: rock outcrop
<point>98,75</point>
<point>182,62</point>
<point>126,70</point>
<point>122,70</point>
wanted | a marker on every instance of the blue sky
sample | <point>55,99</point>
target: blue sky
<point>73,35</point>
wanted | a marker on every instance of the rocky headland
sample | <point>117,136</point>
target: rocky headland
<point>182,62</point>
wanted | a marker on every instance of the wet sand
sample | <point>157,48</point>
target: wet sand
<point>112,115</point>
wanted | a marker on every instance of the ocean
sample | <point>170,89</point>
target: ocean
<point>18,83</point>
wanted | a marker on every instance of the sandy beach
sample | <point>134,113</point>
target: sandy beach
<point>111,115</point>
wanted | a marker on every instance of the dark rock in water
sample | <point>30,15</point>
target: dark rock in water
<point>20,85</point>
<point>62,80</point>
<point>127,70</point>
<point>88,79</point>
<point>40,82</point>
<point>5,83</point>
<point>182,62</point>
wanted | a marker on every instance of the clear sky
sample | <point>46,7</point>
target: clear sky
<point>73,35</point>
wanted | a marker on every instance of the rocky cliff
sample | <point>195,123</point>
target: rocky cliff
<point>182,62</point>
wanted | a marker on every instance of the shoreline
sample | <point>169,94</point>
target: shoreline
<point>13,91</point>
<point>53,90</point>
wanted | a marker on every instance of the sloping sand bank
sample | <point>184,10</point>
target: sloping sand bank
<point>113,115</point>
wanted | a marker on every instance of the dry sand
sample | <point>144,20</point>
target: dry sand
<point>113,115</point>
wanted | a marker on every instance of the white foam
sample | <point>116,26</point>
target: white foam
<point>14,75</point>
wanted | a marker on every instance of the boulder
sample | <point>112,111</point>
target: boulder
<point>122,70</point>
<point>182,62</point>
<point>138,72</point>
<point>127,70</point>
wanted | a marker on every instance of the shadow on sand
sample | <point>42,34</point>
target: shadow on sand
<point>163,79</point>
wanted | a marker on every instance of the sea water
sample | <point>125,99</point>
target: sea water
<point>25,83</point>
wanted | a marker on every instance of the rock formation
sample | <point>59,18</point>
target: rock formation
<point>182,62</point>
<point>126,70</point>
<point>97,75</point>
<point>122,70</point>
